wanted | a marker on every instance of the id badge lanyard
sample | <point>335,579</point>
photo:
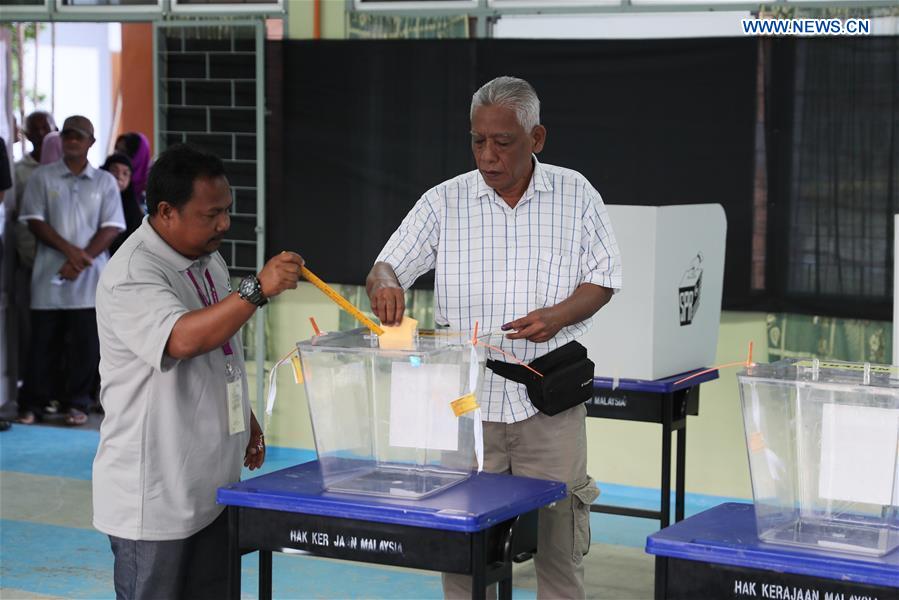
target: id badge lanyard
<point>233,374</point>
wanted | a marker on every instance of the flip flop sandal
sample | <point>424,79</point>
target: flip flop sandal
<point>75,418</point>
<point>27,418</point>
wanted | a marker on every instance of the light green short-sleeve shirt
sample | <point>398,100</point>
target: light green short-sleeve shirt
<point>164,443</point>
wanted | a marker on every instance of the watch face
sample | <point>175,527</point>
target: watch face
<point>247,286</point>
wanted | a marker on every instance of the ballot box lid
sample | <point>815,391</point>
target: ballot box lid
<point>665,385</point>
<point>727,535</point>
<point>479,502</point>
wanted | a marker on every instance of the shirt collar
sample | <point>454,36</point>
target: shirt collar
<point>87,173</point>
<point>540,181</point>
<point>161,248</point>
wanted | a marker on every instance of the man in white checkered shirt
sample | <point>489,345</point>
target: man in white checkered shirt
<point>526,248</point>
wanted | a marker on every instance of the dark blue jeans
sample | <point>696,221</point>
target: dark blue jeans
<point>195,567</point>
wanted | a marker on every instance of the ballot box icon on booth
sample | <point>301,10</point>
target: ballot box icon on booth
<point>823,445</point>
<point>385,421</point>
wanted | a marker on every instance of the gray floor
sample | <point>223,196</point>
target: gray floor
<point>611,572</point>
<point>40,500</point>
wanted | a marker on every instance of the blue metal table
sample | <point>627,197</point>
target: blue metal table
<point>470,528</point>
<point>663,401</point>
<point>717,554</point>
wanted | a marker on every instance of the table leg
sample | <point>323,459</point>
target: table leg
<point>233,553</point>
<point>681,471</point>
<point>505,582</point>
<point>666,461</point>
<point>265,575</point>
<point>479,565</point>
<point>661,583</point>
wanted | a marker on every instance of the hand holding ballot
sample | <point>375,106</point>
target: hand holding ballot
<point>387,297</point>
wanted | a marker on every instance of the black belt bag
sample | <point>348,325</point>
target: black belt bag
<point>567,378</point>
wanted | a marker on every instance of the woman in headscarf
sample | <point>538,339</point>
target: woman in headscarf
<point>120,167</point>
<point>136,147</point>
<point>51,149</point>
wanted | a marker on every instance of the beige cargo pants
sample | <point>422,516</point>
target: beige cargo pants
<point>545,448</point>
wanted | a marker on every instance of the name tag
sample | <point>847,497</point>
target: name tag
<point>236,421</point>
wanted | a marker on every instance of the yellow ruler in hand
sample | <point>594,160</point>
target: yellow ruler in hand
<point>340,300</point>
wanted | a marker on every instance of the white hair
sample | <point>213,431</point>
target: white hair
<point>513,93</point>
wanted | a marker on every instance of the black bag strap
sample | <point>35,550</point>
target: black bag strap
<point>561,356</point>
<point>511,371</point>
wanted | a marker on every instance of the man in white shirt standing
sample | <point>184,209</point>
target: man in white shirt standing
<point>178,423</point>
<point>21,243</point>
<point>37,125</point>
<point>75,212</point>
<point>526,248</point>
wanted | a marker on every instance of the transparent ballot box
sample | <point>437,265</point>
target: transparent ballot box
<point>823,442</point>
<point>385,420</point>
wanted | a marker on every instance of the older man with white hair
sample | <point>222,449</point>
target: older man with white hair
<point>526,248</point>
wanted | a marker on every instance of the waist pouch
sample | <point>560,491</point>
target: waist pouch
<point>567,378</point>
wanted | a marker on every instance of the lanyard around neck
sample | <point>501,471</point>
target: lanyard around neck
<point>215,298</point>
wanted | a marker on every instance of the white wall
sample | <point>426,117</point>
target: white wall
<point>83,76</point>
<point>621,26</point>
<point>651,25</point>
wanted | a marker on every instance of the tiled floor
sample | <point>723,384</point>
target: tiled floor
<point>48,548</point>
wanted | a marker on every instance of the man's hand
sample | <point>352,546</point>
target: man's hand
<point>388,301</point>
<point>68,271</point>
<point>280,273</point>
<point>537,326</point>
<point>255,454</point>
<point>78,257</point>
<point>544,323</point>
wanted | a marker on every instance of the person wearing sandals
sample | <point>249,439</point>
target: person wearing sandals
<point>75,212</point>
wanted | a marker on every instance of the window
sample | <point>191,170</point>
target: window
<point>220,6</point>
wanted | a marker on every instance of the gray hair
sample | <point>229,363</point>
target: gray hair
<point>513,93</point>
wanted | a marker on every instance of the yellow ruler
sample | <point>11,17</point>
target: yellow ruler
<point>340,300</point>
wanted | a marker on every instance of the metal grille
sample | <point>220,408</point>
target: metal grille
<point>207,97</point>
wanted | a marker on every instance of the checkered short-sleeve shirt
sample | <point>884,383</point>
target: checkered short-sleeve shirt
<point>494,264</point>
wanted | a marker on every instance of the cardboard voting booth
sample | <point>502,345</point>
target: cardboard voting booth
<point>665,319</point>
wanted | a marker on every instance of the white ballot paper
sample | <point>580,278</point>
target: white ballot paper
<point>858,453</point>
<point>420,411</point>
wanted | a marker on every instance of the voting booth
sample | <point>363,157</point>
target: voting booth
<point>823,442</point>
<point>398,421</point>
<point>665,319</point>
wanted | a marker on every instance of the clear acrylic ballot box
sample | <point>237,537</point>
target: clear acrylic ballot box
<point>385,420</point>
<point>823,443</point>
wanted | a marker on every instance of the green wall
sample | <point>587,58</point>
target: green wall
<point>300,19</point>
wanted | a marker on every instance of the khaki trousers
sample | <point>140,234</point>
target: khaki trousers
<point>555,448</point>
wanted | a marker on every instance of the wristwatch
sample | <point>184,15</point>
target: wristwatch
<point>251,290</point>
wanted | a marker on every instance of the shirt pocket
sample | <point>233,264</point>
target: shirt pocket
<point>558,275</point>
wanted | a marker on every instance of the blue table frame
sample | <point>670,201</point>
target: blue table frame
<point>471,528</point>
<point>717,554</point>
<point>661,401</point>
